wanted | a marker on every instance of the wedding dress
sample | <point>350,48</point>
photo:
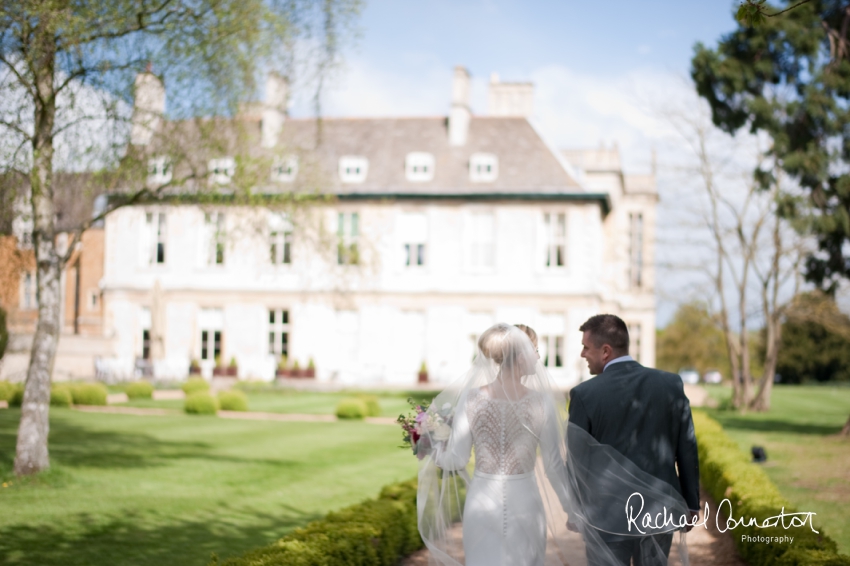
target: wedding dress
<point>505,422</point>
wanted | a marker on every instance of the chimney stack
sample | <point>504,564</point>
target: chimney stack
<point>510,99</point>
<point>460,114</point>
<point>274,108</point>
<point>148,107</point>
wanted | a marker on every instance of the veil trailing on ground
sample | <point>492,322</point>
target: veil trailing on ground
<point>494,458</point>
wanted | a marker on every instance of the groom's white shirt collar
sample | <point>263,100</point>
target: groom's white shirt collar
<point>618,360</point>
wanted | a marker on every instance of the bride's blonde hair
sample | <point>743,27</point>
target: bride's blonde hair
<point>529,332</point>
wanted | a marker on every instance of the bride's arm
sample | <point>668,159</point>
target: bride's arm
<point>551,450</point>
<point>455,453</point>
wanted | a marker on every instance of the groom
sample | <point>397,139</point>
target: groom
<point>640,412</point>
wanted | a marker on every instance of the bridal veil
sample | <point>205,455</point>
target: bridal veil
<point>500,474</point>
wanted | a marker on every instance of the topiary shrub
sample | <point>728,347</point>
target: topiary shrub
<point>194,385</point>
<point>88,393</point>
<point>7,390</point>
<point>378,532</point>
<point>139,390</point>
<point>200,403</point>
<point>60,396</point>
<point>233,401</point>
<point>351,408</point>
<point>373,407</point>
<point>17,397</point>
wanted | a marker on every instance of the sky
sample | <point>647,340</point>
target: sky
<point>601,70</point>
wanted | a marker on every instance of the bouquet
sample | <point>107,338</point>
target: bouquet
<point>420,428</point>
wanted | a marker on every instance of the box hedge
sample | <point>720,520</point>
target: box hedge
<point>200,403</point>
<point>233,401</point>
<point>726,472</point>
<point>60,396</point>
<point>195,384</point>
<point>139,390</point>
<point>7,390</point>
<point>373,407</point>
<point>378,532</point>
<point>88,393</point>
<point>352,408</point>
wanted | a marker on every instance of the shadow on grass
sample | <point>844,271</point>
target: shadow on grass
<point>128,540</point>
<point>730,421</point>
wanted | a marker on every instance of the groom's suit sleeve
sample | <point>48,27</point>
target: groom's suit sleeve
<point>687,458</point>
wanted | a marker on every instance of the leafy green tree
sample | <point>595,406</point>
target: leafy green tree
<point>69,74</point>
<point>692,339</point>
<point>815,342</point>
<point>789,78</point>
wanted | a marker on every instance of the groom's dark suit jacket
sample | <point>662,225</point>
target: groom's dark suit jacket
<point>643,413</point>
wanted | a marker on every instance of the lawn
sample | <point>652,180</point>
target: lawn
<point>272,400</point>
<point>172,490</point>
<point>806,460</point>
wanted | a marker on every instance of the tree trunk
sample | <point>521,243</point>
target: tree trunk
<point>31,452</point>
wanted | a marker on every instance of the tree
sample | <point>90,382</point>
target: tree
<point>69,77</point>
<point>692,339</point>
<point>789,78</point>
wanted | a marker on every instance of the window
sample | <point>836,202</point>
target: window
<point>221,170</point>
<point>353,169</point>
<point>419,167</point>
<point>279,332</point>
<point>285,169</point>
<point>413,232</point>
<point>347,234</point>
<point>634,341</point>
<point>635,250</point>
<point>555,226</point>
<point>481,248</point>
<point>155,233</point>
<point>28,296</point>
<point>159,171</point>
<point>280,239</point>
<point>551,350</point>
<point>483,168</point>
<point>211,323</point>
<point>215,237</point>
<point>145,324</point>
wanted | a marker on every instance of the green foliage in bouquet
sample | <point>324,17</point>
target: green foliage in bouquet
<point>233,401</point>
<point>200,403</point>
<point>377,532</point>
<point>352,408</point>
<point>139,390</point>
<point>727,473</point>
<point>194,385</point>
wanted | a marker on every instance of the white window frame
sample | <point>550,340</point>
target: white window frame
<point>555,239</point>
<point>636,251</point>
<point>159,171</point>
<point>483,167</point>
<point>480,250</point>
<point>280,239</point>
<point>353,169</point>
<point>216,238</point>
<point>348,237</point>
<point>210,323</point>
<point>419,167</point>
<point>285,169</point>
<point>155,237</point>
<point>280,332</point>
<point>554,344</point>
<point>413,231</point>
<point>222,170</point>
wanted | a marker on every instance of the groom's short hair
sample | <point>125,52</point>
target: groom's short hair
<point>607,329</point>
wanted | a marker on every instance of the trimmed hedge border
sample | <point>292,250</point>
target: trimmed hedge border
<point>727,473</point>
<point>377,532</point>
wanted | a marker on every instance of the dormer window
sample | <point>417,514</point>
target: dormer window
<point>222,170</point>
<point>159,171</point>
<point>483,167</point>
<point>419,166</point>
<point>285,169</point>
<point>353,169</point>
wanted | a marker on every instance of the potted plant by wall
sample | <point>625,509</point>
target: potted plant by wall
<point>233,368</point>
<point>219,370</point>
<point>423,373</point>
<point>194,367</point>
<point>282,370</point>
<point>311,369</point>
<point>296,369</point>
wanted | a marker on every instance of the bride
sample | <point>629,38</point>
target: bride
<point>505,419</point>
